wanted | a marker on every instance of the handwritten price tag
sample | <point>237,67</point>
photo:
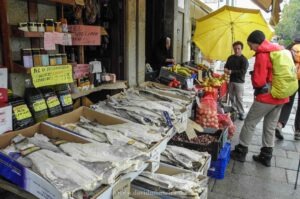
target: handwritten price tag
<point>52,102</point>
<point>39,105</point>
<point>21,112</point>
<point>67,100</point>
<point>52,75</point>
<point>85,35</point>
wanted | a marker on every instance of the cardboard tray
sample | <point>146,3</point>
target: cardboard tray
<point>106,119</point>
<point>139,192</point>
<point>35,184</point>
<point>23,177</point>
<point>203,170</point>
<point>212,148</point>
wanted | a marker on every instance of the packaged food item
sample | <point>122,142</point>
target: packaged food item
<point>64,58</point>
<point>35,102</point>
<point>52,59</point>
<point>32,26</point>
<point>45,57</point>
<point>40,27</point>
<point>58,59</point>
<point>65,98</point>
<point>64,25</point>
<point>23,26</point>
<point>21,115</point>
<point>37,59</point>
<point>52,102</point>
<point>27,57</point>
<point>58,27</point>
<point>49,25</point>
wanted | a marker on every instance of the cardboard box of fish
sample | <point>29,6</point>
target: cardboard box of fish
<point>55,162</point>
<point>169,182</point>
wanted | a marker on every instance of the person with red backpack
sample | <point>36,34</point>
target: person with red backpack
<point>287,108</point>
<point>265,106</point>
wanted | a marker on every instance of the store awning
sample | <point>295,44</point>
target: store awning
<point>272,6</point>
<point>199,9</point>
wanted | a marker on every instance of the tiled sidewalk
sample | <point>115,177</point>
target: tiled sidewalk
<point>251,180</point>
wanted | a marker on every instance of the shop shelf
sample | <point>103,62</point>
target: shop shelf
<point>19,68</point>
<point>19,33</point>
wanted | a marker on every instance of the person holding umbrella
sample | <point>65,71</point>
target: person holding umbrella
<point>264,106</point>
<point>236,66</point>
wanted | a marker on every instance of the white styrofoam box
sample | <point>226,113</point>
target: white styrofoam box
<point>5,119</point>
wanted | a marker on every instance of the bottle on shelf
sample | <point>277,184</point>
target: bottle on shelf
<point>65,98</point>
<point>21,115</point>
<point>35,102</point>
<point>53,104</point>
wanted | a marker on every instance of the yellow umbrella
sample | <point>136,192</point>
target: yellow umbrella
<point>216,32</point>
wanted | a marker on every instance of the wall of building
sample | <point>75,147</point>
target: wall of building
<point>135,41</point>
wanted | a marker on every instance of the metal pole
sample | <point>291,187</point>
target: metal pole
<point>297,175</point>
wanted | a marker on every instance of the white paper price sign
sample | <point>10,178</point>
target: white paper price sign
<point>122,189</point>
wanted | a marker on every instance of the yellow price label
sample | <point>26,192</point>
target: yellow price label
<point>52,102</point>
<point>47,76</point>
<point>67,99</point>
<point>22,112</point>
<point>39,105</point>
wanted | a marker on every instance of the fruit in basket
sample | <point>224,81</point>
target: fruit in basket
<point>184,71</point>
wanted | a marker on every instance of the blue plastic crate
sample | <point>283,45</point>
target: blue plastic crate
<point>217,168</point>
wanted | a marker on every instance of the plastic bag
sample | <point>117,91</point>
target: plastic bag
<point>207,112</point>
<point>225,121</point>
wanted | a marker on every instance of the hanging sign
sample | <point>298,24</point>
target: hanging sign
<point>81,70</point>
<point>83,35</point>
<point>53,38</point>
<point>52,75</point>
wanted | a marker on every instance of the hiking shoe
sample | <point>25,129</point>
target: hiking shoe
<point>278,133</point>
<point>239,153</point>
<point>297,135</point>
<point>264,157</point>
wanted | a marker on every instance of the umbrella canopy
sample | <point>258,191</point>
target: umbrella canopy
<point>216,32</point>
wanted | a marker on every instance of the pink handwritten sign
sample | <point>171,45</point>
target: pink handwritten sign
<point>52,38</point>
<point>81,70</point>
<point>85,35</point>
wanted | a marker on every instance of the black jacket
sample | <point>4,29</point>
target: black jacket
<point>238,66</point>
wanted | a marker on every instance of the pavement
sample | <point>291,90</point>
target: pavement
<point>251,180</point>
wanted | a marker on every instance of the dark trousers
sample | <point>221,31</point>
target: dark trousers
<point>287,108</point>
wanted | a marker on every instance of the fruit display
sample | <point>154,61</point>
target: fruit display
<point>206,114</point>
<point>181,70</point>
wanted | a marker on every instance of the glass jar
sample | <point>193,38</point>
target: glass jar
<point>52,59</point>
<point>23,26</point>
<point>49,25</point>
<point>64,25</point>
<point>64,58</point>
<point>58,27</point>
<point>45,57</point>
<point>32,26</point>
<point>37,59</point>
<point>58,59</point>
<point>40,27</point>
<point>27,58</point>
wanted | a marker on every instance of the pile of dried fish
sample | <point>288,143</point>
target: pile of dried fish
<point>145,106</point>
<point>75,167</point>
<point>185,158</point>
<point>134,134</point>
<point>182,185</point>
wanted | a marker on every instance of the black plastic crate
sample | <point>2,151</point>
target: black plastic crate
<point>213,148</point>
<point>164,73</point>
